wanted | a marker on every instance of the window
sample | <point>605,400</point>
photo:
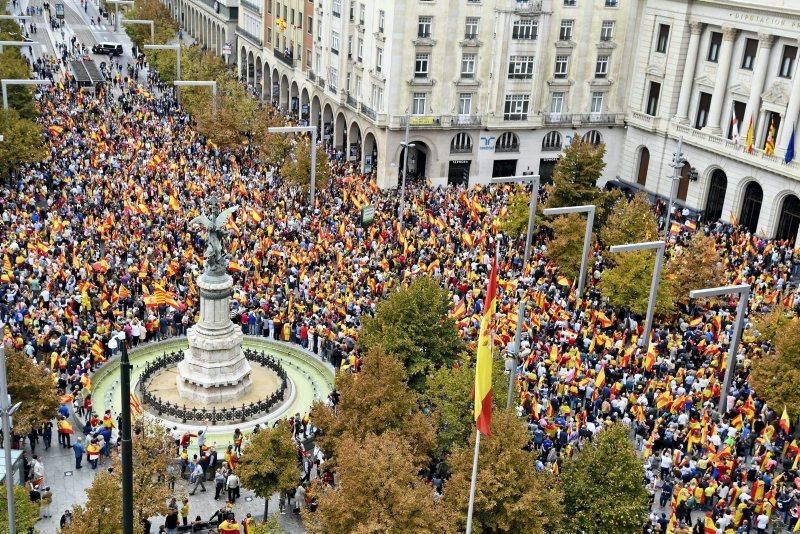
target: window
<point>421,65</point>
<point>376,97</point>
<point>269,35</point>
<point>787,61</point>
<point>471,28</point>
<point>507,142</point>
<point>291,17</point>
<point>713,47</point>
<point>357,87</point>
<point>308,58</point>
<point>465,103</point>
<point>352,11</point>
<point>360,49</point>
<point>381,20</point>
<point>269,6</point>
<point>347,80</point>
<point>593,137</point>
<point>663,38</point>
<point>562,65</point>
<point>703,107</point>
<point>525,29</point>
<point>333,79</point>
<point>419,103</point>
<point>607,30</point>
<point>520,67</point>
<point>551,141</point>
<point>468,66</point>
<point>652,98</point>
<point>335,42</point>
<point>337,8</point>
<point>461,143</point>
<point>749,57</point>
<point>362,10</point>
<point>516,108</point>
<point>612,3</point>
<point>310,26</point>
<point>378,59</point>
<point>565,34</point>
<point>349,47</point>
<point>601,67</point>
<point>557,102</point>
<point>570,3</point>
<point>424,27</point>
<point>597,102</point>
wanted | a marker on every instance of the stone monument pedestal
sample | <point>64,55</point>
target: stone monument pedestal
<point>214,369</point>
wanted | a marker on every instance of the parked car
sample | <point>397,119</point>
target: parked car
<point>107,49</point>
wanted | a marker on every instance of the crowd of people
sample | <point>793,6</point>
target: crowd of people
<point>96,241</point>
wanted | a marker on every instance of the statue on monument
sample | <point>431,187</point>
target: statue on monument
<point>216,259</point>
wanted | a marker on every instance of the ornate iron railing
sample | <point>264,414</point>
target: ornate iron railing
<point>213,416</point>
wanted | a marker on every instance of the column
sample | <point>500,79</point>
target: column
<point>682,115</point>
<point>790,118</point>
<point>715,111</point>
<point>757,87</point>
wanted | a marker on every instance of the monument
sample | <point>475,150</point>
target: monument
<point>214,370</point>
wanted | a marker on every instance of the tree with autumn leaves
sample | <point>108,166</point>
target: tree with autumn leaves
<point>775,373</point>
<point>31,384</point>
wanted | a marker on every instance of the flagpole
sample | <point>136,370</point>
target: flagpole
<point>474,480</point>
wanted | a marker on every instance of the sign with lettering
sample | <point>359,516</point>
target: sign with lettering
<point>487,142</point>
<point>421,121</point>
<point>367,215</point>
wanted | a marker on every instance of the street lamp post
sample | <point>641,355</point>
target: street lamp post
<point>589,210</point>
<point>201,83</point>
<point>677,162</point>
<point>176,48</point>
<point>743,291</point>
<point>313,131</point>
<point>406,145</point>
<point>533,179</point>
<point>116,10</point>
<point>125,436</point>
<point>21,44</point>
<point>5,83</point>
<point>145,22</point>
<point>651,303</point>
<point>6,411</point>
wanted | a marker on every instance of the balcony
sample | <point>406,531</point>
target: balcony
<point>557,118</point>
<point>286,59</point>
<point>352,102</point>
<point>422,121</point>
<point>251,6</point>
<point>321,82</point>
<point>369,112</point>
<point>311,76</point>
<point>465,120</point>
<point>601,118</point>
<point>249,36</point>
<point>528,7</point>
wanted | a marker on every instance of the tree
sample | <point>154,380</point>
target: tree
<point>603,489</point>
<point>26,513</point>
<point>695,266</point>
<point>629,222</point>
<point>627,284</point>
<point>20,97</point>
<point>23,142</point>
<point>31,384</point>
<point>375,400</point>
<point>102,513</point>
<point>566,247</point>
<point>413,324</point>
<point>376,490</point>
<point>165,28</point>
<point>510,495</point>
<point>269,463</point>
<point>775,374</point>
<point>575,175</point>
<point>270,526</point>
<point>297,171</point>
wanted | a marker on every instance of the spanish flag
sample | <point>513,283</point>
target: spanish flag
<point>483,363</point>
<point>784,423</point>
<point>709,527</point>
<point>769,146</point>
<point>173,203</point>
<point>600,380</point>
<point>749,139</point>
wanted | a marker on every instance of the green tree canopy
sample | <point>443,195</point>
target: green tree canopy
<point>165,28</point>
<point>695,266</point>
<point>603,486</point>
<point>297,170</point>
<point>376,490</point>
<point>627,283</point>
<point>31,384</point>
<point>375,400</point>
<point>269,463</point>
<point>566,247</point>
<point>413,324</point>
<point>776,374</point>
<point>511,495</point>
<point>629,222</point>
<point>20,97</point>
<point>576,173</point>
<point>23,141</point>
<point>26,513</point>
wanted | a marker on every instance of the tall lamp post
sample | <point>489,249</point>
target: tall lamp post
<point>532,179</point>
<point>201,83</point>
<point>406,145</point>
<point>5,83</point>
<point>6,411</point>
<point>651,303</point>
<point>125,436</point>
<point>743,291</point>
<point>116,10</point>
<point>677,162</point>
<point>20,44</point>
<point>589,210</point>
<point>145,22</point>
<point>313,131</point>
<point>176,48</point>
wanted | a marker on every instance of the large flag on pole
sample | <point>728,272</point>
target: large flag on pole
<point>785,423</point>
<point>790,149</point>
<point>769,146</point>
<point>749,139</point>
<point>483,363</point>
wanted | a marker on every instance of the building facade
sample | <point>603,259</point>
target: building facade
<point>498,87</point>
<point>212,23</point>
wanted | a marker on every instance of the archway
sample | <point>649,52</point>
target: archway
<point>316,114</point>
<point>294,99</point>
<point>276,88</point>
<point>305,108</point>
<point>243,64</point>
<point>259,75</point>
<point>789,219</point>
<point>266,86</point>
<point>644,163</point>
<point>354,143</point>
<point>284,102</point>
<point>751,206</point>
<point>717,187</point>
<point>327,125</point>
<point>370,153</point>
<point>683,183</point>
<point>417,161</point>
<point>251,69</point>
<point>340,132</point>
<point>593,137</point>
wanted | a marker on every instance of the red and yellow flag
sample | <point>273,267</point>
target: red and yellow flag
<point>785,423</point>
<point>483,363</point>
